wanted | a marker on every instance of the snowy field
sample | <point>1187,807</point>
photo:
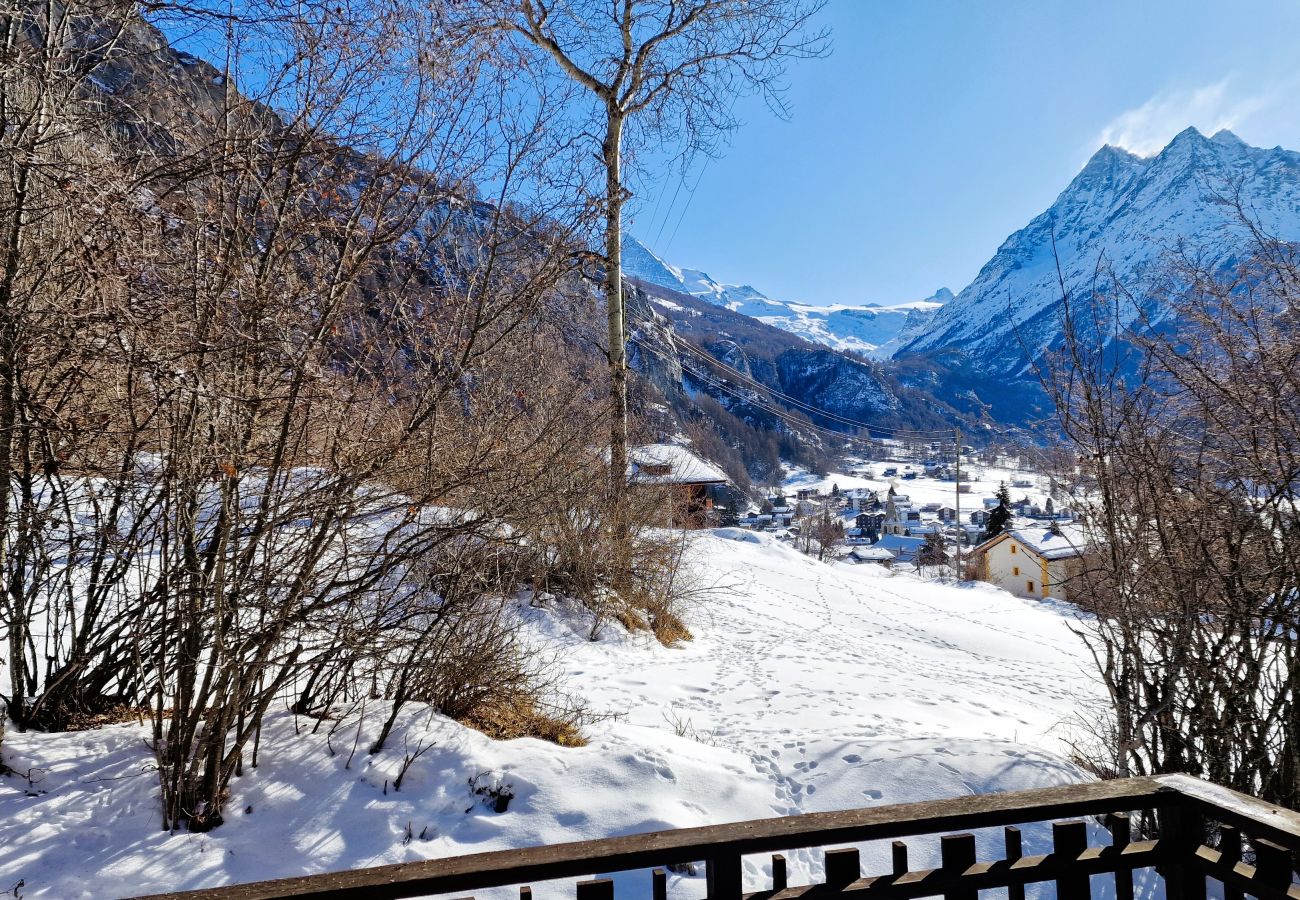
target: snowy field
<point>809,687</point>
<point>983,481</point>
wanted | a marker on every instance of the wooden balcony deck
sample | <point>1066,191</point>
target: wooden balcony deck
<point>1186,829</point>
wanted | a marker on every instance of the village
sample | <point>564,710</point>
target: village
<point>901,514</point>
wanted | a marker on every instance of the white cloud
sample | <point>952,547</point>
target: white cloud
<point>1146,129</point>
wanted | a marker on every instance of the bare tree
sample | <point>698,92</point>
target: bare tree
<point>1188,472</point>
<point>666,70</point>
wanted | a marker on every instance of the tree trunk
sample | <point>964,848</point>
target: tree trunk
<point>621,538</point>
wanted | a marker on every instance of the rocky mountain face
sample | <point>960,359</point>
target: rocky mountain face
<point>831,381</point>
<point>870,329</point>
<point>1117,223</point>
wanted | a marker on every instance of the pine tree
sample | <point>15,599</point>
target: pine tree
<point>1000,517</point>
<point>934,552</point>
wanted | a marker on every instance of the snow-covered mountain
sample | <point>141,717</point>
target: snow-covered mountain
<point>871,329</point>
<point>1120,216</point>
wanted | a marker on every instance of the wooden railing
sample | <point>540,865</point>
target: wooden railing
<point>1185,829</point>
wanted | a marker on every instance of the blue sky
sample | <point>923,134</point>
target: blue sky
<point>935,129</point>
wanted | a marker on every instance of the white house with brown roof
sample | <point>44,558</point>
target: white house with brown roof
<point>1034,561</point>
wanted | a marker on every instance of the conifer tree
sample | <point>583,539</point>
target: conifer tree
<point>1000,517</point>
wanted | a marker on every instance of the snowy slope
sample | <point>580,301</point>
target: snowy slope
<point>868,328</point>
<point>1122,214</point>
<point>809,687</point>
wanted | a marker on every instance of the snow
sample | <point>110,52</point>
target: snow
<point>1121,215</point>
<point>872,329</point>
<point>1060,544</point>
<point>682,466</point>
<point>809,687</point>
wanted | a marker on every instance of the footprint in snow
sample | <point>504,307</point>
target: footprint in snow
<point>852,758</point>
<point>873,794</point>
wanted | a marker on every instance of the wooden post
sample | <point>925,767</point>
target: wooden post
<point>900,858</point>
<point>659,885</point>
<point>957,854</point>
<point>1069,840</point>
<point>843,866</point>
<point>1230,850</point>
<point>723,876</point>
<point>1273,864</point>
<point>596,889</point>
<point>1184,829</point>
<point>1121,832</point>
<point>780,880</point>
<point>1015,849</point>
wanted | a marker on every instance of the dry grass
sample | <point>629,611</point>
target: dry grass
<point>670,630</point>
<point>113,715</point>
<point>521,717</point>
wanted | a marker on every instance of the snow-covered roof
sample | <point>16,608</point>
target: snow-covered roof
<point>899,543</point>
<point>671,464</point>
<point>1065,542</point>
<point>1050,544</point>
<point>871,553</point>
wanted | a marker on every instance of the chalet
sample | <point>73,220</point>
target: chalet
<point>979,517</point>
<point>690,476</point>
<point>947,514</point>
<point>1035,561</point>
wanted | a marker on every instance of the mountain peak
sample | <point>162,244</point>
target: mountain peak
<point>1190,133</point>
<point>1227,138</point>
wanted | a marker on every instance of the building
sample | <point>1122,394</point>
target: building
<point>690,476</point>
<point>878,555</point>
<point>1036,561</point>
<point>903,549</point>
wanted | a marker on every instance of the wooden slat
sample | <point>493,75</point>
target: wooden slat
<point>899,852</point>
<point>1230,855</point>
<point>1273,864</point>
<point>1241,875</point>
<point>659,885</point>
<point>509,867</point>
<point>843,866</point>
<point>596,889</point>
<point>1121,834</point>
<point>979,877</point>
<point>724,876</point>
<point>1069,841</point>
<point>957,853</point>
<point>1183,828</point>
<point>779,877</point>
<point>1012,841</point>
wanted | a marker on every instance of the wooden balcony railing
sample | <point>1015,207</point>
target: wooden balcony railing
<point>1185,829</point>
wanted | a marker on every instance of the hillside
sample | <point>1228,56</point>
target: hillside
<point>810,687</point>
<point>825,386</point>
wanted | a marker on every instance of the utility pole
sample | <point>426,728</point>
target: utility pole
<point>957,507</point>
